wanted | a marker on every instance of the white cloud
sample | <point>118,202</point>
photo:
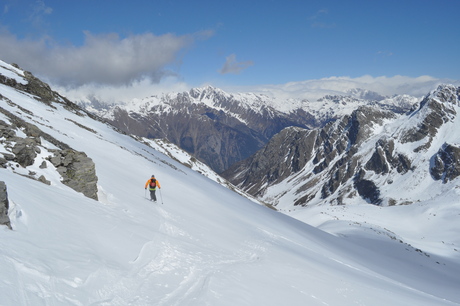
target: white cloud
<point>102,59</point>
<point>123,93</point>
<point>234,67</point>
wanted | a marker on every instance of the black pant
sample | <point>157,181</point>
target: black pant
<point>152,195</point>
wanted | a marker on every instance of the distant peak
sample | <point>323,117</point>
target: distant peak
<point>207,92</point>
<point>446,93</point>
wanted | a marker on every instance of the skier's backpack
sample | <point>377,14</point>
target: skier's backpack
<point>153,183</point>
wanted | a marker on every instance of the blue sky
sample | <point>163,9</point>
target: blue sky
<point>232,44</point>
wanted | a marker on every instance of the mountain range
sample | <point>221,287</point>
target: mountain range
<point>372,154</point>
<point>221,129</point>
<point>332,150</point>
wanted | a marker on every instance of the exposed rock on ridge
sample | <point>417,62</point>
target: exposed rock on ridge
<point>445,165</point>
<point>360,154</point>
<point>77,169</point>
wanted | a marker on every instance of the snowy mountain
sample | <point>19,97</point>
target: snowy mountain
<point>202,244</point>
<point>213,126</point>
<point>372,156</point>
<point>220,128</point>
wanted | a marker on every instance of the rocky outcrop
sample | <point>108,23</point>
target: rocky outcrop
<point>384,159</point>
<point>4,205</point>
<point>25,150</point>
<point>366,188</point>
<point>77,170</point>
<point>445,165</point>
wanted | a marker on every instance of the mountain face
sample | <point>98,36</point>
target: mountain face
<point>376,155</point>
<point>220,128</point>
<point>215,127</point>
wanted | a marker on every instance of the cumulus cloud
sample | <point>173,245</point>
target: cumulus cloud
<point>232,66</point>
<point>102,59</point>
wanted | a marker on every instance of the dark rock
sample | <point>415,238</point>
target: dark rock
<point>77,170</point>
<point>4,205</point>
<point>44,180</point>
<point>8,156</point>
<point>32,130</point>
<point>6,130</point>
<point>385,159</point>
<point>445,165</point>
<point>367,189</point>
<point>25,151</point>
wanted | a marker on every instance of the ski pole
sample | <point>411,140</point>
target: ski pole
<point>161,196</point>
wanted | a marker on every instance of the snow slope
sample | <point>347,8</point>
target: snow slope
<point>203,244</point>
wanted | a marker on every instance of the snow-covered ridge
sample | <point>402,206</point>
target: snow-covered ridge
<point>336,106</point>
<point>11,72</point>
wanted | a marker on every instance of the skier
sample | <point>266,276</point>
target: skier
<point>152,183</point>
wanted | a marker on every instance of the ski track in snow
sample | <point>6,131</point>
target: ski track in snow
<point>192,270</point>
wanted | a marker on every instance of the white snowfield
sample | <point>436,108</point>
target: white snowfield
<point>203,244</point>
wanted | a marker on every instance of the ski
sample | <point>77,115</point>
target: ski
<point>156,202</point>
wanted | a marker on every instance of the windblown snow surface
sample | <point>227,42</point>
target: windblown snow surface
<point>203,244</point>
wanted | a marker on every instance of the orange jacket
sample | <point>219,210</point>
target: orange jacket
<point>147,184</point>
